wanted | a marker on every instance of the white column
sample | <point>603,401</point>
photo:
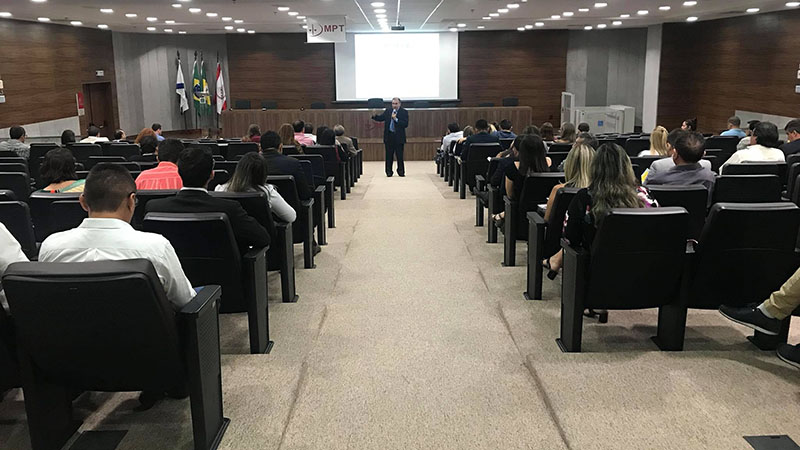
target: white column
<point>652,71</point>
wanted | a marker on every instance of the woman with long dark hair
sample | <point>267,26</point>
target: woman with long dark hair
<point>568,134</point>
<point>547,132</point>
<point>251,176</point>
<point>532,159</point>
<point>58,172</point>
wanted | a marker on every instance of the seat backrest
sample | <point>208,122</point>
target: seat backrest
<point>793,158</point>
<point>511,101</point>
<point>144,196</point>
<point>82,151</point>
<point>494,163</point>
<point>486,104</point>
<point>220,177</point>
<point>506,143</point>
<point>725,143</point>
<point>422,104</point>
<point>13,167</point>
<point>556,158</point>
<point>559,147</point>
<point>627,238</point>
<point>555,223</point>
<point>791,176</point>
<point>7,195</point>
<point>269,104</point>
<point>289,150</point>
<point>328,153</point>
<point>207,249</point>
<point>693,198</point>
<point>308,171</point>
<point>317,165</point>
<point>44,223</point>
<point>536,189</point>
<point>758,168</point>
<point>747,188</point>
<point>92,160</point>
<point>17,218</point>
<point>19,182</point>
<point>241,104</point>
<point>635,145</point>
<point>68,213</point>
<point>228,166</point>
<point>714,161</point>
<point>481,151</point>
<point>122,149</point>
<point>288,189</point>
<point>645,161</point>
<point>255,204</point>
<point>103,326</point>
<point>212,147</point>
<point>375,103</point>
<point>240,148</point>
<point>318,105</point>
<point>746,252</point>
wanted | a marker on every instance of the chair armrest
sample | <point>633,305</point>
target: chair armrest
<point>320,189</point>
<point>534,217</point>
<point>256,253</point>
<point>480,182</point>
<point>201,302</point>
<point>330,180</point>
<point>508,201</point>
<point>307,203</point>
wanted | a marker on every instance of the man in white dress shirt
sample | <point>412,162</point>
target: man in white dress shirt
<point>765,149</point>
<point>10,252</point>
<point>110,199</point>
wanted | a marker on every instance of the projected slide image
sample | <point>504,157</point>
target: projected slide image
<point>392,65</point>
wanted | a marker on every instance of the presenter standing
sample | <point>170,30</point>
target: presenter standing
<point>394,135</point>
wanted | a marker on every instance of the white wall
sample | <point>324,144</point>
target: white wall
<point>652,71</point>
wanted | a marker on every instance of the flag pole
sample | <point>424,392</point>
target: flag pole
<point>196,111</point>
<point>215,96</point>
<point>185,125</point>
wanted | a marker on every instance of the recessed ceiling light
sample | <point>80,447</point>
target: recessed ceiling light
<point>528,27</point>
<point>624,16</point>
<point>601,25</point>
<point>793,4</point>
<point>43,19</point>
<point>211,14</point>
<point>195,10</point>
<point>555,16</point>
<point>283,8</point>
<point>587,27</point>
<point>502,10</point>
<point>181,32</point>
<point>76,23</point>
<point>238,21</point>
<point>600,5</point>
<point>106,10</point>
<point>151,28</point>
<point>453,29</point>
<point>227,19</point>
<point>251,31</point>
<point>461,25</point>
<point>583,9</point>
<point>102,26</point>
<point>616,23</point>
<point>177,5</point>
<point>520,28</point>
<point>131,15</point>
<point>305,27</point>
<point>753,10</point>
<point>480,27</point>
<point>643,12</point>
<point>568,14</point>
<point>5,14</point>
<point>486,18</point>
<point>664,8</point>
<point>300,17</point>
<point>513,5</point>
<point>691,19</point>
<point>169,22</point>
<point>167,30</point>
<point>539,24</point>
<point>377,4</point>
<point>293,13</point>
<point>152,19</point>
<point>229,27</point>
<point>493,14</point>
<point>690,3</point>
<point>241,30</point>
<point>380,16</point>
<point>184,1</point>
<point>380,11</point>
<point>38,1</point>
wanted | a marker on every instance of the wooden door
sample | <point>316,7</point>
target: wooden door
<point>98,104</point>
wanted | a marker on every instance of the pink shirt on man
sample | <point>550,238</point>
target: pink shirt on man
<point>163,176</point>
<point>303,139</point>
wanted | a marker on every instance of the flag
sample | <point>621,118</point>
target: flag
<point>180,89</point>
<point>205,95</point>
<point>197,89</point>
<point>222,100</point>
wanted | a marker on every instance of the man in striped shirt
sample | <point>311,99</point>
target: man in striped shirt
<point>165,175</point>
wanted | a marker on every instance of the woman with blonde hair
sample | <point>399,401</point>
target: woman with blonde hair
<point>145,132</point>
<point>286,133</point>
<point>658,143</point>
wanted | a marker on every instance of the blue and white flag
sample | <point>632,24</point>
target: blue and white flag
<point>180,89</point>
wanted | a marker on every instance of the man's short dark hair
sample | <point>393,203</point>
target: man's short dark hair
<point>690,146</point>
<point>299,126</point>
<point>269,140</point>
<point>673,136</point>
<point>148,144</point>
<point>505,124</point>
<point>792,126</point>
<point>195,165</point>
<point>16,132</point>
<point>583,127</point>
<point>766,134</point>
<point>156,126</point>
<point>453,127</point>
<point>170,150</point>
<point>308,128</point>
<point>93,131</point>
<point>118,135</point>
<point>482,124</point>
<point>752,124</point>
<point>735,121</point>
<point>107,186</point>
<point>589,139</point>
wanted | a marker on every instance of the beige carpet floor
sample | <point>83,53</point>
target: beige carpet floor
<point>409,334</point>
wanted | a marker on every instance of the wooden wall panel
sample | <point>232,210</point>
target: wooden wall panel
<point>711,69</point>
<point>45,65</point>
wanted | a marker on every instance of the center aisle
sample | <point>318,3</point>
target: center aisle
<point>410,352</point>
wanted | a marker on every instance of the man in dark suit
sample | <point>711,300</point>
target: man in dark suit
<point>280,164</point>
<point>395,121</point>
<point>481,136</point>
<point>196,168</point>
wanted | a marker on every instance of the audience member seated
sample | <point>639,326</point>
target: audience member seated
<point>468,131</point>
<point>481,136</point>
<point>767,316</point>
<point>143,133</point>
<point>577,172</point>
<point>567,134</point>
<point>793,136</point>
<point>165,175</point>
<point>339,131</point>
<point>10,252</point>
<point>734,128</point>
<point>588,139</point>
<point>67,137</point>
<point>664,164</point>
<point>110,199</point>
<point>148,145</point>
<point>286,133</point>
<point>196,168</point>
<point>17,142</point>
<point>157,129</point>
<point>251,176</point>
<point>658,143</point>
<point>309,132</point>
<point>326,136</point>
<point>532,129</point>
<point>747,141</point>
<point>279,164</point>
<point>253,133</point>
<point>532,159</point>
<point>119,136</point>
<point>765,149</point>
<point>505,130</point>
<point>687,169</point>
<point>547,132</point>
<point>689,124</point>
<point>511,151</point>
<point>58,172</point>
<point>454,133</point>
<point>299,133</point>
<point>583,127</point>
<point>93,136</point>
